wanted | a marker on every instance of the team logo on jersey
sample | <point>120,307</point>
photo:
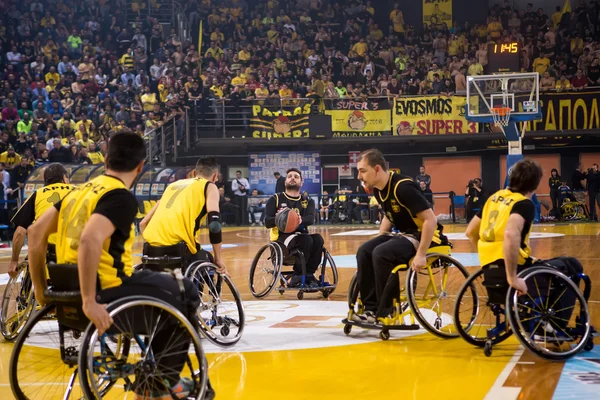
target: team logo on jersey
<point>304,203</point>
<point>389,216</point>
<point>395,206</point>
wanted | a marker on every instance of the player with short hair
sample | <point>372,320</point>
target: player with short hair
<point>501,230</point>
<point>56,186</point>
<point>311,245</point>
<point>405,209</point>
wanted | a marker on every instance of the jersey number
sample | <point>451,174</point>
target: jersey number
<point>488,233</point>
<point>74,223</point>
<point>178,190</point>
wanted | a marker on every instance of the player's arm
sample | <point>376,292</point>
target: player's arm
<point>148,217</point>
<point>385,226</point>
<point>427,231</point>
<point>214,224</point>
<point>22,220</point>
<point>116,210</point>
<point>38,234</point>
<point>512,245</point>
<point>270,211</point>
<point>310,214</point>
<point>473,230</point>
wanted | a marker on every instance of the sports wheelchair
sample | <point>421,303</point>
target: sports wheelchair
<point>573,211</point>
<point>18,303</point>
<point>552,319</point>
<point>267,267</point>
<point>128,360</point>
<point>427,297</point>
<point>221,312</point>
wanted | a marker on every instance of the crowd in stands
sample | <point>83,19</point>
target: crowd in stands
<point>76,71</point>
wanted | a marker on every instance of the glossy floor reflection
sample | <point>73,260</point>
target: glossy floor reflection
<point>297,350</point>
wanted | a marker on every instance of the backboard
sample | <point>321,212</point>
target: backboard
<point>520,92</point>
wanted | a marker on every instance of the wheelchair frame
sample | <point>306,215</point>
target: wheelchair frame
<point>25,303</point>
<point>326,288</point>
<point>85,357</point>
<point>407,304</point>
<point>512,324</point>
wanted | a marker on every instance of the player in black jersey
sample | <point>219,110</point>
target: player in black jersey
<point>310,245</point>
<point>406,210</point>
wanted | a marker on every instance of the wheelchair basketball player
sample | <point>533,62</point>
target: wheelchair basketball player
<point>311,245</point>
<point>406,210</point>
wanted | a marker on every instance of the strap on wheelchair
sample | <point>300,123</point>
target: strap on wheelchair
<point>179,278</point>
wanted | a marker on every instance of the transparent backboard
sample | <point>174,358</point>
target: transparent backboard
<point>518,92</point>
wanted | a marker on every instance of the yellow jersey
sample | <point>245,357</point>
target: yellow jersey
<point>38,203</point>
<point>108,196</point>
<point>494,218</point>
<point>177,218</point>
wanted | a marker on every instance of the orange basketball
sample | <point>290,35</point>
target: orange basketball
<point>287,220</point>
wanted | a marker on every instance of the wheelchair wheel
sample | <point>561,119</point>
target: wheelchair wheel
<point>477,321</point>
<point>163,349</point>
<point>265,270</point>
<point>433,291</point>
<point>44,358</point>
<point>221,311</point>
<point>354,301</point>
<point>552,319</point>
<point>18,302</point>
<point>329,276</point>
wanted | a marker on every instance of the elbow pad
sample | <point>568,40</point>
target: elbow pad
<point>214,227</point>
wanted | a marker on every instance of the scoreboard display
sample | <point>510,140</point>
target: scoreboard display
<point>504,57</point>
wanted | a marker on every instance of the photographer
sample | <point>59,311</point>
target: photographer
<point>474,198</point>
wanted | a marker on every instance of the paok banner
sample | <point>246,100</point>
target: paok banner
<point>358,118</point>
<point>436,13</point>
<point>431,115</point>
<point>565,111</point>
<point>273,123</point>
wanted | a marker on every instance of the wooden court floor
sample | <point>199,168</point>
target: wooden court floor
<point>295,349</point>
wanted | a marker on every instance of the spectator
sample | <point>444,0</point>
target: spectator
<point>240,187</point>
<point>280,183</point>
<point>59,153</point>
<point>475,198</point>
<point>256,204</point>
<point>580,81</point>
<point>423,177</point>
<point>554,182</point>
<point>426,192</point>
<point>10,158</point>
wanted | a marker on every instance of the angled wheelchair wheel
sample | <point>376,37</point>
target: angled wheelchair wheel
<point>265,270</point>
<point>18,302</point>
<point>354,302</point>
<point>432,293</point>
<point>552,319</point>
<point>329,274</point>
<point>221,311</point>
<point>478,321</point>
<point>44,359</point>
<point>163,350</point>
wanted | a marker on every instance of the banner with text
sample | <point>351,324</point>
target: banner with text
<point>431,115</point>
<point>436,13</point>
<point>274,123</point>
<point>565,111</point>
<point>357,118</point>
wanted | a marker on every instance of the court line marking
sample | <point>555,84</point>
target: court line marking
<point>498,391</point>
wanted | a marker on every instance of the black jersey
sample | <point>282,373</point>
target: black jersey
<point>401,200</point>
<point>303,206</point>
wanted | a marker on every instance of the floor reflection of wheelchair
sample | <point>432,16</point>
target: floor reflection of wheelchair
<point>123,361</point>
<point>221,312</point>
<point>552,319</point>
<point>427,297</point>
<point>18,303</point>
<point>266,272</point>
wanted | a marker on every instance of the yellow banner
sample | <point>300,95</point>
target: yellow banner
<point>359,121</point>
<point>431,115</point>
<point>437,12</point>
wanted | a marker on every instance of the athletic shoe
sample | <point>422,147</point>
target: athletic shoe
<point>368,317</point>
<point>295,281</point>
<point>181,390</point>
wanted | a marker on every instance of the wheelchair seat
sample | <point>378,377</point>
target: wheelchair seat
<point>65,294</point>
<point>164,257</point>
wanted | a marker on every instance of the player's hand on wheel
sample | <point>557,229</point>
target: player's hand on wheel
<point>418,262</point>
<point>12,268</point>
<point>519,284</point>
<point>221,268</point>
<point>98,315</point>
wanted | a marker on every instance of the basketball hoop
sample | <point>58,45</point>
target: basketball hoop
<point>501,115</point>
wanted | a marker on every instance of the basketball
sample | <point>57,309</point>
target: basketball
<point>287,220</point>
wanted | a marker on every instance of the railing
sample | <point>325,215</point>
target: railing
<point>164,140</point>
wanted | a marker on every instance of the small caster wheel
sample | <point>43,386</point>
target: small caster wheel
<point>225,331</point>
<point>347,329</point>
<point>326,293</point>
<point>77,335</point>
<point>438,323</point>
<point>300,295</point>
<point>589,345</point>
<point>281,292</point>
<point>487,349</point>
<point>384,335</point>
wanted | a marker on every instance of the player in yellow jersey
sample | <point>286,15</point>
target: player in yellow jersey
<point>56,186</point>
<point>501,230</point>
<point>177,216</point>
<point>94,226</point>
